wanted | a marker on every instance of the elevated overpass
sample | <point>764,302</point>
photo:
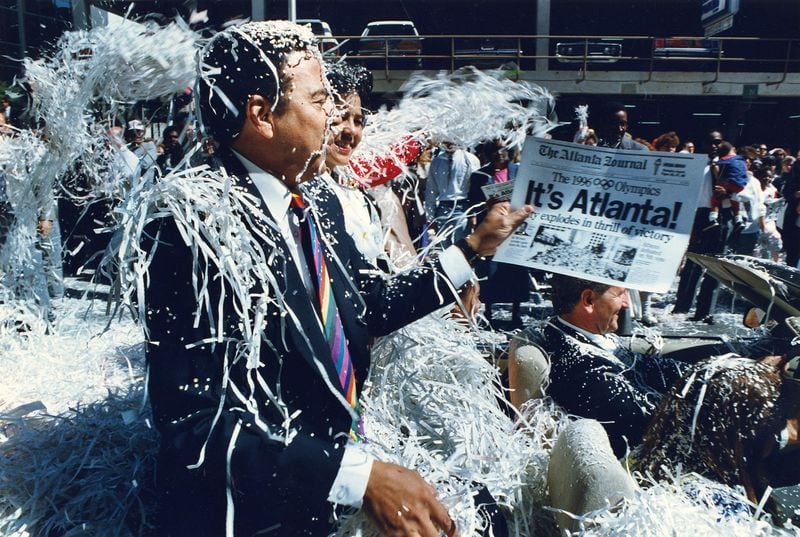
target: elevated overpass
<point>737,67</point>
<point>746,87</point>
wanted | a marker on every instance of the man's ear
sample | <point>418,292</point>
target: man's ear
<point>259,116</point>
<point>587,298</point>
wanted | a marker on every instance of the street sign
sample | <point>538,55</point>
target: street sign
<point>719,26</point>
<point>717,15</point>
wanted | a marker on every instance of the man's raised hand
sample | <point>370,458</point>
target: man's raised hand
<point>499,223</point>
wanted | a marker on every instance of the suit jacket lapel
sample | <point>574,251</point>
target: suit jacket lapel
<point>339,250</point>
<point>302,324</point>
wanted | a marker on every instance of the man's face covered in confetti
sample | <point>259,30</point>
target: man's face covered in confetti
<point>301,121</point>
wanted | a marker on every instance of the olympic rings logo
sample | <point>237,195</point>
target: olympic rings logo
<point>605,184</point>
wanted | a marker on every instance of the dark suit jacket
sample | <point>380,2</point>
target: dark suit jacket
<point>588,381</point>
<point>625,142</point>
<point>208,405</point>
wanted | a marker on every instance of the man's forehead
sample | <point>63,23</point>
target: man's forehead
<point>615,290</point>
<point>300,65</point>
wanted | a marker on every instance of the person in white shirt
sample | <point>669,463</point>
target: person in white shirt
<point>447,192</point>
<point>752,200</point>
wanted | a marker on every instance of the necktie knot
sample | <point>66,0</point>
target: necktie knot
<point>297,201</point>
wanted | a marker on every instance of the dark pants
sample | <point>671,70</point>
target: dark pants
<point>745,243</point>
<point>700,242</point>
<point>452,221</point>
<point>717,239</point>
<point>791,244</point>
<point>497,527</point>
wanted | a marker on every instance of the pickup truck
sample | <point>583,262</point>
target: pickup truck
<point>390,40</point>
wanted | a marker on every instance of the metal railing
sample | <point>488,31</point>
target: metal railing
<point>637,53</point>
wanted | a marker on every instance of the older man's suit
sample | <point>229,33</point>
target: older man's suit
<point>620,391</point>
<point>280,472</point>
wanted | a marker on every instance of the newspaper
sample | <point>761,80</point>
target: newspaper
<point>607,215</point>
<point>776,208</point>
<point>498,191</point>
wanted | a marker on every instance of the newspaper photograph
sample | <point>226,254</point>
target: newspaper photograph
<point>613,216</point>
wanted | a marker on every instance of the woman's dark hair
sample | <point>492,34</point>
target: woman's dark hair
<point>346,78</point>
<point>718,422</point>
<point>668,139</point>
<point>759,169</point>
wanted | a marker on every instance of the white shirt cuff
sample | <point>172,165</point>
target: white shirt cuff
<point>783,438</point>
<point>455,266</point>
<point>351,482</point>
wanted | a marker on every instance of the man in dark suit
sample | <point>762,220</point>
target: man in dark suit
<point>592,374</point>
<point>258,429</point>
<point>616,130</point>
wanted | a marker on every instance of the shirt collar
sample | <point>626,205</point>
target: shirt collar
<point>607,342</point>
<point>273,191</point>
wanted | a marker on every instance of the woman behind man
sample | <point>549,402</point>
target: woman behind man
<point>369,203</point>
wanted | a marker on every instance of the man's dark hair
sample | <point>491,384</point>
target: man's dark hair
<point>566,291</point>
<point>748,152</point>
<point>346,78</point>
<point>712,138</point>
<point>243,61</point>
<point>759,169</point>
<point>171,128</point>
<point>724,148</point>
<point>612,107</point>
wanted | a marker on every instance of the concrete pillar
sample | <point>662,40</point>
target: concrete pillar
<point>258,10</point>
<point>80,15</point>
<point>23,45</point>
<point>542,28</point>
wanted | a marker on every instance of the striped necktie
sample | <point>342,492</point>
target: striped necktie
<point>331,321</point>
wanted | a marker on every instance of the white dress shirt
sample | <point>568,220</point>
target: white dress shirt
<point>752,207</point>
<point>607,342</point>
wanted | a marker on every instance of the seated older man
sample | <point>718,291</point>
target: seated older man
<point>591,373</point>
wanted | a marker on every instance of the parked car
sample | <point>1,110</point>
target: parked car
<point>328,44</point>
<point>686,48</point>
<point>487,52</point>
<point>392,39</point>
<point>595,50</point>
